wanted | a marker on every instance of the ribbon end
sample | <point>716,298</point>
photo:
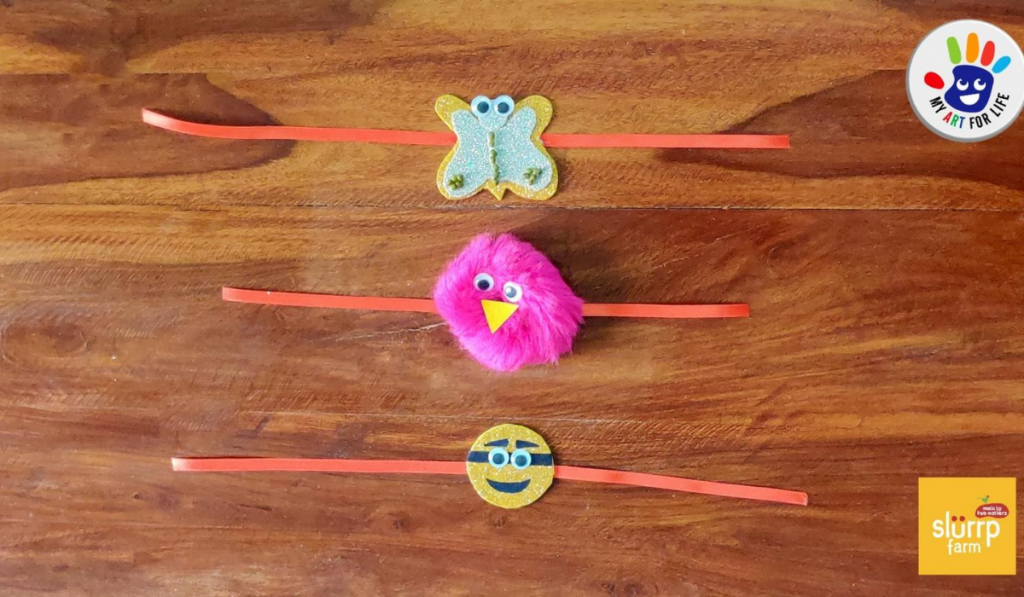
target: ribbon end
<point>152,118</point>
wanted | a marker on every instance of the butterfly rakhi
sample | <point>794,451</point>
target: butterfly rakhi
<point>499,148</point>
<point>498,144</point>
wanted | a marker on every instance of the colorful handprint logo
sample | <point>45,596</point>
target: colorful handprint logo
<point>965,81</point>
<point>972,85</point>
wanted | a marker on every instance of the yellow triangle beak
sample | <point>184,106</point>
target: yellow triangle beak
<point>497,313</point>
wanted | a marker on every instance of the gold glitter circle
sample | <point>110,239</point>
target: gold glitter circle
<point>507,486</point>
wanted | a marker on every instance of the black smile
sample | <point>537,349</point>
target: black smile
<point>509,487</point>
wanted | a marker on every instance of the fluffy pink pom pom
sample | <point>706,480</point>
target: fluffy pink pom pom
<point>503,284</point>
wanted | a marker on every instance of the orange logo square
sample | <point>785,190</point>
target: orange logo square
<point>967,525</point>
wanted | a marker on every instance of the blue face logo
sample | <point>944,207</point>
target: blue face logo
<point>972,84</point>
<point>971,89</point>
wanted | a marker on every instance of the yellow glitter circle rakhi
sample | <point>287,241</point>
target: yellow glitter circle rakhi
<point>510,466</point>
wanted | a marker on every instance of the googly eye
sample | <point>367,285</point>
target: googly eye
<point>521,459</point>
<point>961,84</point>
<point>512,291</point>
<point>980,85</point>
<point>483,282</point>
<point>498,457</point>
<point>481,105</point>
<point>504,104</point>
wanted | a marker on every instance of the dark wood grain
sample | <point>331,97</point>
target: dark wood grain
<point>59,129</point>
<point>881,263</point>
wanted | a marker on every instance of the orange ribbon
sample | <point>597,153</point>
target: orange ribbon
<point>447,138</point>
<point>447,467</point>
<point>317,465</point>
<point>376,303</point>
<point>745,492</point>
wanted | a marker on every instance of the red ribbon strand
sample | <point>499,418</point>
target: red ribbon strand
<point>447,138</point>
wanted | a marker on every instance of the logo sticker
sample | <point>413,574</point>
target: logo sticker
<point>965,81</point>
<point>967,526</point>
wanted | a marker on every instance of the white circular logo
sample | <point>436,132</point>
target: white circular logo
<point>965,81</point>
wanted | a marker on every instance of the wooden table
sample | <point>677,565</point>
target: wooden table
<point>882,265</point>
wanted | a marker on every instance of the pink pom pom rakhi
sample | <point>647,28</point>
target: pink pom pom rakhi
<point>504,301</point>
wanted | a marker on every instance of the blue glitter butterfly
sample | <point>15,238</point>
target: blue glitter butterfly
<point>498,147</point>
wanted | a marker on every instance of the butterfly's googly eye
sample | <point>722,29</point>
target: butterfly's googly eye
<point>481,105</point>
<point>961,85</point>
<point>498,457</point>
<point>521,459</point>
<point>504,104</point>
<point>512,291</point>
<point>483,282</point>
<point>980,85</point>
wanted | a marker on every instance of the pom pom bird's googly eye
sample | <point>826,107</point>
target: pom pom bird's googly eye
<point>961,85</point>
<point>980,85</point>
<point>481,105</point>
<point>521,459</point>
<point>498,457</point>
<point>483,282</point>
<point>504,104</point>
<point>512,291</point>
